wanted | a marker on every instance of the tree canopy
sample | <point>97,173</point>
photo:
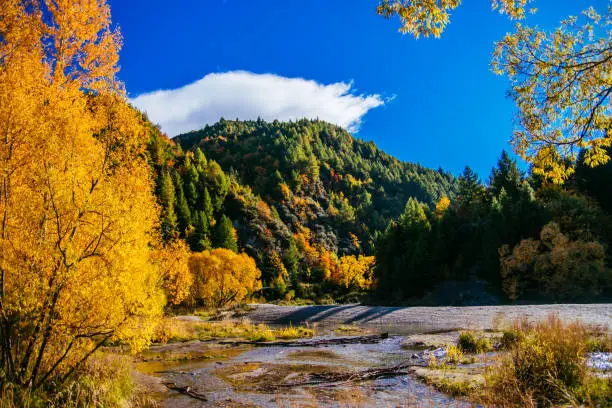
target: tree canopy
<point>78,214</point>
<point>560,81</point>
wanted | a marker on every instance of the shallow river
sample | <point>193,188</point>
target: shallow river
<point>251,377</point>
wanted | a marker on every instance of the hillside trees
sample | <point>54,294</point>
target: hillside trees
<point>523,244</point>
<point>316,175</point>
<point>77,209</point>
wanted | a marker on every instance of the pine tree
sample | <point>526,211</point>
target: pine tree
<point>167,201</point>
<point>225,235</point>
<point>199,158</point>
<point>183,213</point>
<point>200,236</point>
<point>207,206</point>
<point>506,176</point>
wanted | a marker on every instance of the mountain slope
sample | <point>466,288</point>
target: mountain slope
<point>316,175</point>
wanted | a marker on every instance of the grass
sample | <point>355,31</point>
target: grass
<point>290,333</point>
<point>175,330</point>
<point>104,381</point>
<point>599,341</point>
<point>468,342</point>
<point>350,330</point>
<point>510,337</point>
<point>456,382</point>
<point>545,366</point>
<point>454,355</point>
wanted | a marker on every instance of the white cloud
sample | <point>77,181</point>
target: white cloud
<point>245,95</point>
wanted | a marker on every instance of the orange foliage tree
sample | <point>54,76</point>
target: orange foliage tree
<point>223,276</point>
<point>77,213</point>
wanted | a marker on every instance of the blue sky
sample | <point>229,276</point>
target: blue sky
<point>430,101</point>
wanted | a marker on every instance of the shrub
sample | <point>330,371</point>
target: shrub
<point>545,366</point>
<point>510,338</point>
<point>454,355</point>
<point>262,335</point>
<point>601,343</point>
<point>289,333</point>
<point>103,381</point>
<point>470,343</point>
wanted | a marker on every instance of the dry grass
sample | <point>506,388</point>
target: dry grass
<point>175,330</point>
<point>456,382</point>
<point>545,366</point>
<point>104,381</point>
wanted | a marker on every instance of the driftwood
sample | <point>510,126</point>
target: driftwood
<point>335,379</point>
<point>186,391</point>
<point>372,339</point>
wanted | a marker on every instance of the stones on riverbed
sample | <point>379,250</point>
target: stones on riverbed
<point>423,358</point>
<point>600,361</point>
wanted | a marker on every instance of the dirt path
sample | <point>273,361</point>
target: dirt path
<point>408,320</point>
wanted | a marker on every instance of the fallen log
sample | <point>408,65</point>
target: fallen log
<point>371,339</point>
<point>186,391</point>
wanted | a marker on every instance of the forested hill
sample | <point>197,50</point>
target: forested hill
<point>318,176</point>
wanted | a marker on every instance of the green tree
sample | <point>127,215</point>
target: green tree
<point>167,200</point>
<point>506,176</point>
<point>207,206</point>
<point>200,236</point>
<point>225,235</point>
<point>183,213</point>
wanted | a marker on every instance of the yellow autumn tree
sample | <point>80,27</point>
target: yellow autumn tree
<point>559,80</point>
<point>77,213</point>
<point>176,278</point>
<point>562,86</point>
<point>354,271</point>
<point>441,206</point>
<point>555,265</point>
<point>223,276</point>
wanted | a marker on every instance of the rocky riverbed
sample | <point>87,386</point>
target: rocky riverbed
<point>218,373</point>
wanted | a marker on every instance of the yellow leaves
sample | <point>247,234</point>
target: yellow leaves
<point>551,262</point>
<point>430,17</point>
<point>559,83</point>
<point>442,205</point>
<point>354,271</point>
<point>177,279</point>
<point>515,9</point>
<point>419,17</point>
<point>76,194</point>
<point>222,276</point>
<point>285,191</point>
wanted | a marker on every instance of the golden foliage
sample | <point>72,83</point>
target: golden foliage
<point>442,205</point>
<point>554,264</point>
<point>562,85</point>
<point>77,213</point>
<point>223,276</point>
<point>545,366</point>
<point>177,279</point>
<point>354,271</point>
<point>430,17</point>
